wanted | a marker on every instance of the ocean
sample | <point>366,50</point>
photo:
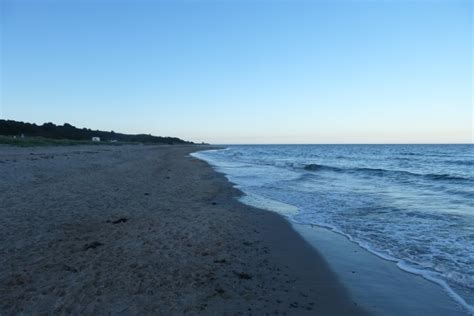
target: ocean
<point>412,204</point>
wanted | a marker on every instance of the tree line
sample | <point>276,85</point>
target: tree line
<point>67,131</point>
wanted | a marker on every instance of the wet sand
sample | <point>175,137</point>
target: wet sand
<point>147,229</point>
<point>377,284</point>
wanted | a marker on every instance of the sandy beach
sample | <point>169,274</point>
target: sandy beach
<point>147,230</point>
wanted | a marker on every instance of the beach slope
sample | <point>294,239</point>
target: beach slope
<point>147,229</point>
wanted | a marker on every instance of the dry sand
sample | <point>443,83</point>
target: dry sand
<point>147,230</point>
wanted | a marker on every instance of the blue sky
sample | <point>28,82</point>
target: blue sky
<point>243,71</point>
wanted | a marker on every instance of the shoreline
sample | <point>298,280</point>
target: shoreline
<point>432,296</point>
<point>363,272</point>
<point>148,230</point>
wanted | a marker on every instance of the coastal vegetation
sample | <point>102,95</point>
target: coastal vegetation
<point>30,134</point>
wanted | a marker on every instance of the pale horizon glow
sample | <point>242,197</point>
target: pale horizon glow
<point>243,72</point>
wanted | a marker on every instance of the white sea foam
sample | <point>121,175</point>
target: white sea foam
<point>268,204</point>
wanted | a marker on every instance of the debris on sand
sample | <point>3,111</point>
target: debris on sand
<point>92,245</point>
<point>120,220</point>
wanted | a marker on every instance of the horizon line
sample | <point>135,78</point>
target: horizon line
<point>287,144</point>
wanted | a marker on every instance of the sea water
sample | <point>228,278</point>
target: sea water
<point>413,204</point>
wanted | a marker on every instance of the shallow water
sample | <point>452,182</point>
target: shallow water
<point>413,204</point>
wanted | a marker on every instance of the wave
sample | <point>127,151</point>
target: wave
<point>378,172</point>
<point>411,154</point>
<point>460,162</point>
<point>403,158</point>
<point>316,167</point>
<point>387,172</point>
<point>434,176</point>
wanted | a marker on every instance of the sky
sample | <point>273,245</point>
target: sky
<point>243,71</point>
